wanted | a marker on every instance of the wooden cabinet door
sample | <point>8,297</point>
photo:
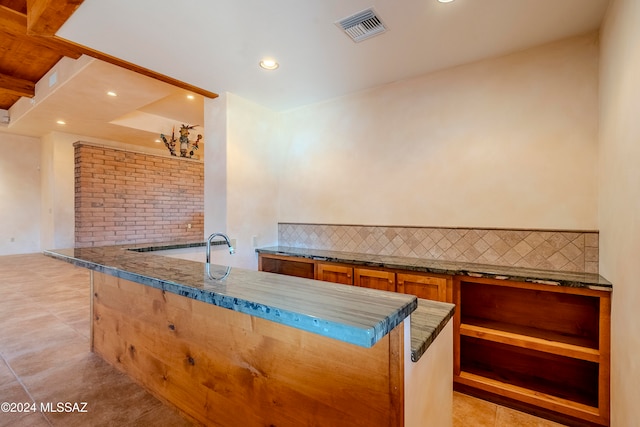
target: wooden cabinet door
<point>290,266</point>
<point>375,279</point>
<point>335,273</point>
<point>423,286</point>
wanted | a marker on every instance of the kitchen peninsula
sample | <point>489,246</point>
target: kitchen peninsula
<point>229,346</point>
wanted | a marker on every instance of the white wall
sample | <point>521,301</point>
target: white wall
<point>505,142</point>
<point>619,203</point>
<point>241,195</point>
<point>58,191</point>
<point>215,167</point>
<point>19,194</point>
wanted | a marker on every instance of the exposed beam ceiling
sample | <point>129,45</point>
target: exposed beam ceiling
<point>29,48</point>
<point>24,58</point>
<point>15,86</point>
<point>45,17</point>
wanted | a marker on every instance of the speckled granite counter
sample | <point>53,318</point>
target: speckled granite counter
<point>549,277</point>
<point>354,315</point>
<point>426,324</point>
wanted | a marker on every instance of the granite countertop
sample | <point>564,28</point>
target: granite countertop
<point>355,315</point>
<point>427,322</point>
<point>548,277</point>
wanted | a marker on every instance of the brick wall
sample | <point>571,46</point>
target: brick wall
<point>126,197</point>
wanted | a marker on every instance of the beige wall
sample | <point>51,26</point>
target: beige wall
<point>19,194</point>
<point>506,142</point>
<point>619,203</point>
<point>57,198</point>
<point>241,195</point>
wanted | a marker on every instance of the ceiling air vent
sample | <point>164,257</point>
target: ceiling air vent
<point>362,25</point>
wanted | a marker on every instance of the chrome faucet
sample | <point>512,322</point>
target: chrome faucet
<point>226,239</point>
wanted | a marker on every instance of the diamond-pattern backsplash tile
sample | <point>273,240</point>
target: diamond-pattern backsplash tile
<point>575,251</point>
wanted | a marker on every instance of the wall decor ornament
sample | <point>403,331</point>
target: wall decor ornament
<point>187,147</point>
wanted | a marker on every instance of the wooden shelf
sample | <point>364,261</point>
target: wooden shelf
<point>531,397</point>
<point>571,318</point>
<point>552,374</point>
<point>531,338</point>
<point>534,344</point>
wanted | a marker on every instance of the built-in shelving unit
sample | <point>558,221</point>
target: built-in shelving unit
<point>541,348</point>
<point>544,346</point>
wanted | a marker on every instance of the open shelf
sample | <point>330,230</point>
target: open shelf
<point>528,396</point>
<point>552,316</point>
<point>531,338</point>
<point>543,346</point>
<point>563,377</point>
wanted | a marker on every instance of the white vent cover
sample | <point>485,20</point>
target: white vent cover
<point>362,25</point>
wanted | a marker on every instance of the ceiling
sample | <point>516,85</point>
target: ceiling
<point>25,56</point>
<point>45,79</point>
<point>143,108</point>
<point>214,46</point>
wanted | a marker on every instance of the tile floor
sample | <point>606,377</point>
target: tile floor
<point>45,358</point>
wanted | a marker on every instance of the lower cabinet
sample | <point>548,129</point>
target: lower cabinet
<point>436,288</point>
<point>375,279</point>
<point>540,348</point>
<point>423,285</point>
<point>334,273</point>
<point>291,266</point>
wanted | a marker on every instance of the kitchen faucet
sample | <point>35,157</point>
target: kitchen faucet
<point>226,239</point>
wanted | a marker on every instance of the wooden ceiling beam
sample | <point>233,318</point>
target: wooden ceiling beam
<point>138,69</point>
<point>12,22</point>
<point>45,17</point>
<point>38,27</point>
<point>57,46</point>
<point>15,24</point>
<point>15,86</point>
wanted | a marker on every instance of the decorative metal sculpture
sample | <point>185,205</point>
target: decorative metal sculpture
<point>186,147</point>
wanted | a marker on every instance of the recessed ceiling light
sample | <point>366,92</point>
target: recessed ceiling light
<point>157,140</point>
<point>111,93</point>
<point>445,1</point>
<point>191,97</point>
<point>269,64</point>
<point>61,122</point>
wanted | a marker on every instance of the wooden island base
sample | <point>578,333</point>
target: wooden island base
<point>226,368</point>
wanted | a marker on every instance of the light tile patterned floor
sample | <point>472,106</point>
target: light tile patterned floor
<point>471,412</point>
<point>45,358</point>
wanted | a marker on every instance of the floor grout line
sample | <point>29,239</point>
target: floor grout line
<point>24,387</point>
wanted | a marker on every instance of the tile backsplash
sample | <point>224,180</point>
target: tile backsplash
<point>564,250</point>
